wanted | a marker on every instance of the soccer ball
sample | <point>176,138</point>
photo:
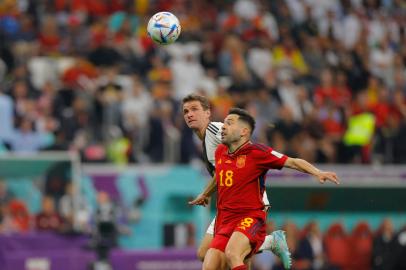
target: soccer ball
<point>164,28</point>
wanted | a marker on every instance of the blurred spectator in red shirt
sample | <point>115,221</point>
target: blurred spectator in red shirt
<point>48,219</point>
<point>327,90</point>
<point>16,217</point>
<point>49,36</point>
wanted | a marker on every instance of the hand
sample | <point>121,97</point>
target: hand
<point>201,199</point>
<point>327,176</point>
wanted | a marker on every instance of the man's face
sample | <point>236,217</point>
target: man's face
<point>195,116</point>
<point>232,129</point>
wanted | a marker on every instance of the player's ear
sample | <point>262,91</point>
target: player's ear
<point>208,112</point>
<point>246,132</point>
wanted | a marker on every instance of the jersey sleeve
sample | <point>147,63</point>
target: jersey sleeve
<point>214,132</point>
<point>271,159</point>
<point>212,139</point>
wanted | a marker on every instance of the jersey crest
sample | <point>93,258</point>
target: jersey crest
<point>240,163</point>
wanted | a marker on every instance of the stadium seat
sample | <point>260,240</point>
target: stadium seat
<point>337,247</point>
<point>361,247</point>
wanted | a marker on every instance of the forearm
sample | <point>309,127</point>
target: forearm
<point>303,166</point>
<point>210,187</point>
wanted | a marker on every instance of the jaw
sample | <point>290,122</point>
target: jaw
<point>224,140</point>
<point>193,125</point>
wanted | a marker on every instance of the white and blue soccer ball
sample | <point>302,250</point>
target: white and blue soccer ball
<point>164,28</point>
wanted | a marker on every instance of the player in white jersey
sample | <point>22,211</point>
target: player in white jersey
<point>196,112</point>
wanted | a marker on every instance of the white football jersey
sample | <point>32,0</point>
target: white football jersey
<point>212,139</point>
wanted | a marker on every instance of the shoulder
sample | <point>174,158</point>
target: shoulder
<point>260,147</point>
<point>214,127</point>
<point>221,148</point>
<point>265,150</point>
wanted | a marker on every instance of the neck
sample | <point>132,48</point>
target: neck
<point>236,145</point>
<point>201,131</point>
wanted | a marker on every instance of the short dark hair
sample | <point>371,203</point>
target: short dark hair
<point>244,116</point>
<point>194,97</point>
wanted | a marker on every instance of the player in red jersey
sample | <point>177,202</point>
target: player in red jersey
<point>241,167</point>
<point>197,112</point>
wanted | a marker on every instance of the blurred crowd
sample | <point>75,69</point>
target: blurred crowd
<point>53,215</point>
<point>67,214</point>
<point>337,249</point>
<point>326,80</point>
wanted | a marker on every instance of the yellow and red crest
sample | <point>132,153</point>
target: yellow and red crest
<point>240,163</point>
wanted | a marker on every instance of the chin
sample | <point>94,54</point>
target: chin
<point>192,126</point>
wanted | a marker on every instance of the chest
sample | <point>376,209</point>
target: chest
<point>235,170</point>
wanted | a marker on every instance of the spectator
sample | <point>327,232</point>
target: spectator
<point>26,139</point>
<point>267,108</point>
<point>6,116</point>
<point>313,56</point>
<point>260,58</point>
<point>49,38</point>
<point>310,253</point>
<point>186,70</point>
<point>136,110</point>
<point>333,49</point>
<point>288,56</point>
<point>327,91</point>
<point>16,217</point>
<point>108,102</point>
<point>74,210</point>
<point>5,194</point>
<point>383,245</point>
<point>400,249</point>
<point>48,219</point>
<point>106,232</point>
<point>290,95</point>
<point>382,60</point>
<point>286,131</point>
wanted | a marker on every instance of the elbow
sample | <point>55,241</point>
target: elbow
<point>297,164</point>
<point>292,163</point>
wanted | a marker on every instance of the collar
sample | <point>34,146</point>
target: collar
<point>239,148</point>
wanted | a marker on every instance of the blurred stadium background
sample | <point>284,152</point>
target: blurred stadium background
<point>97,165</point>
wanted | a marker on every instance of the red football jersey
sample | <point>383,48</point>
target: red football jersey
<point>241,175</point>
